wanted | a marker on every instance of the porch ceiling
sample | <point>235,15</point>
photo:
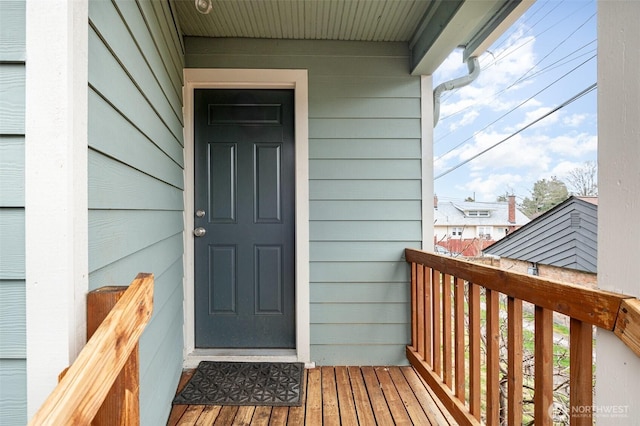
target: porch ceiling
<point>433,28</point>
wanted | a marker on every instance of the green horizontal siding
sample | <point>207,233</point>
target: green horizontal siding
<point>372,189</point>
<point>161,26</point>
<point>364,148</point>
<point>13,326</point>
<point>365,169</point>
<point>167,303</point>
<point>360,313</point>
<point>365,187</point>
<point>12,99</point>
<point>107,77</point>
<point>383,108</point>
<point>12,244</point>
<point>115,34</point>
<point>335,231</point>
<point>365,210</point>
<point>360,292</point>
<point>136,182</point>
<point>13,364</point>
<point>364,128</point>
<point>156,258</point>
<point>155,51</point>
<point>112,134</point>
<point>117,185</point>
<point>361,86</point>
<point>12,33</point>
<point>115,234</point>
<point>360,251</point>
<point>13,392</point>
<point>360,334</point>
<point>12,171</point>
<point>359,272</point>
<point>392,354</point>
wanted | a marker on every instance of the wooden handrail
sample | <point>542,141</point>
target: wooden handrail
<point>83,388</point>
<point>593,306</point>
<point>456,374</point>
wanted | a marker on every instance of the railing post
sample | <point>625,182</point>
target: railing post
<point>580,373</point>
<point>122,404</point>
<point>514,361</point>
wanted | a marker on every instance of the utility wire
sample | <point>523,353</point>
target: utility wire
<point>562,105</point>
<point>513,109</point>
<point>530,76</point>
<point>512,49</point>
<point>552,50</point>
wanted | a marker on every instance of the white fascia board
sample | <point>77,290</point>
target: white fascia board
<point>56,201</point>
<point>468,20</point>
<point>458,30</point>
<point>503,26</point>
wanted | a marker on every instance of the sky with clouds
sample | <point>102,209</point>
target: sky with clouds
<point>545,59</point>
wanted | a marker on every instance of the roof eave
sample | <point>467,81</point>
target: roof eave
<point>472,24</point>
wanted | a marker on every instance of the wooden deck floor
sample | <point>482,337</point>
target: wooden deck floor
<point>334,396</point>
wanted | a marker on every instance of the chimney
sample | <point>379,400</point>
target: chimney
<point>435,202</point>
<point>512,209</point>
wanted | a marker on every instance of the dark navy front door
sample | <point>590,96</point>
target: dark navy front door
<point>244,204</point>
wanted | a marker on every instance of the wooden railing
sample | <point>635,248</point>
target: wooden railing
<point>85,385</point>
<point>459,345</point>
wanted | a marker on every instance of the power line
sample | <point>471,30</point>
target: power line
<point>562,105</point>
<point>553,50</point>
<point>513,109</point>
<point>549,67</point>
<point>512,49</point>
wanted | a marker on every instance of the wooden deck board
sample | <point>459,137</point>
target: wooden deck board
<point>360,397</point>
<point>348,415</point>
<point>333,395</point>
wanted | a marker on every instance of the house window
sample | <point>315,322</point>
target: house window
<point>478,213</point>
<point>485,232</point>
<point>456,232</point>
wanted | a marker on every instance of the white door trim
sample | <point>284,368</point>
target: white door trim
<point>251,79</point>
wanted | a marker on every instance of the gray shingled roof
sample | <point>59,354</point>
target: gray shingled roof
<point>565,236</point>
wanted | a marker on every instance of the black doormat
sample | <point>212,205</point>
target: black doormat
<point>243,383</point>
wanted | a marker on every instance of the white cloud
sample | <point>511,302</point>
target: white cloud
<point>574,120</point>
<point>562,169</point>
<point>488,188</point>
<point>500,70</point>
<point>517,152</point>
<point>531,116</point>
<point>557,144</point>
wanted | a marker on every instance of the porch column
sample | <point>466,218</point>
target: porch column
<point>617,367</point>
<point>55,189</point>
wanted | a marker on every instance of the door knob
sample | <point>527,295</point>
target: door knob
<point>199,232</point>
<point>200,213</point>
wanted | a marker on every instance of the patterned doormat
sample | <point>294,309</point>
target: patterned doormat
<point>243,383</point>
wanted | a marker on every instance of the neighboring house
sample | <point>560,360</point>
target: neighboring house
<point>466,228</point>
<point>103,131</point>
<point>560,244</point>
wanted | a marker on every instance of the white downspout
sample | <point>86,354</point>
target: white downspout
<point>474,71</point>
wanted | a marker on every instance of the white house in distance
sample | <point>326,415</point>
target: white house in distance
<point>468,227</point>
